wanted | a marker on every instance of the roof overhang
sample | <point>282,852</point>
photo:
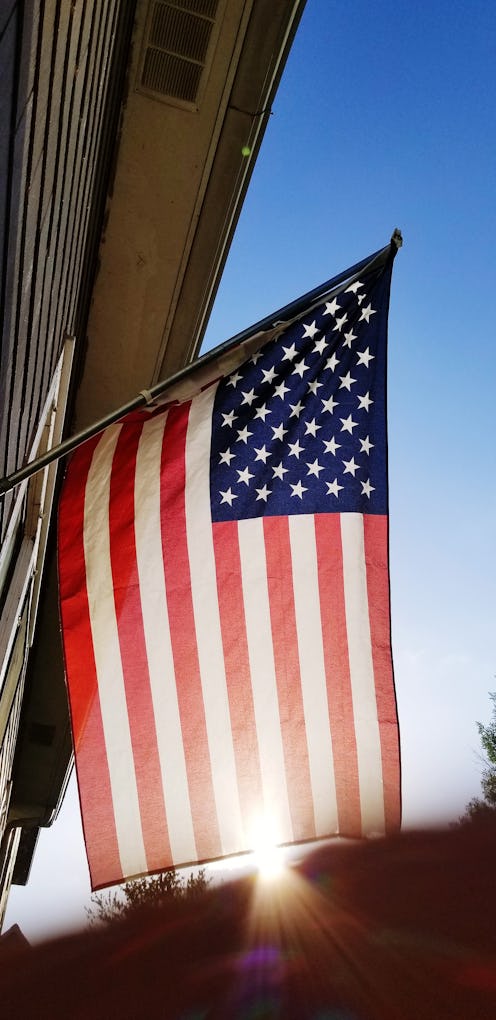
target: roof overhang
<point>166,237</point>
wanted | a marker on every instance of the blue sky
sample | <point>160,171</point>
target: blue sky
<point>385,117</point>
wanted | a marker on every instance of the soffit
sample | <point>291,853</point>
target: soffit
<point>179,181</point>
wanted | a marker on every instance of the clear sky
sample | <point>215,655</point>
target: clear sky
<point>385,117</point>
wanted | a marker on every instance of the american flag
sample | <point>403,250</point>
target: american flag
<point>223,565</point>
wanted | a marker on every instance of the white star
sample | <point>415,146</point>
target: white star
<point>354,287</point>
<point>228,419</point>
<point>348,339</point>
<point>279,471</point>
<point>234,379</point>
<point>243,435</point>
<point>228,497</point>
<point>244,476</point>
<point>248,398</point>
<point>331,445</point>
<point>262,454</point>
<point>310,331</point>
<point>333,488</point>
<point>311,428</point>
<point>280,390</point>
<point>367,488</point>
<point>289,353</point>
<point>314,468</point>
<point>263,493</point>
<point>295,449</point>
<point>256,357</point>
<point>366,313</point>
<point>269,374</point>
<point>346,382</point>
<point>347,424</point>
<point>226,457</point>
<point>350,467</point>
<point>365,445</point>
<point>340,323</point>
<point>314,386</point>
<point>332,362</point>
<point>279,432</point>
<point>298,489</point>
<point>331,307</point>
<point>296,409</point>
<point>361,298</point>
<point>365,401</point>
<point>262,412</point>
<point>329,405</point>
<point>300,368</point>
<point>364,357</point>
<point>319,346</point>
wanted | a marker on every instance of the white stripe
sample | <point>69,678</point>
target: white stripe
<point>108,657</point>
<point>313,673</point>
<point>158,642</point>
<point>263,678</point>
<point>362,675</point>
<point>207,622</point>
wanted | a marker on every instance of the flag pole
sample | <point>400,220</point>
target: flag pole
<point>146,397</point>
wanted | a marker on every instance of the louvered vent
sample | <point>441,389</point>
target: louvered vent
<point>176,50</point>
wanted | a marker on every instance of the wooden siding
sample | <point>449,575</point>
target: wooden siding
<point>62,72</point>
<point>67,61</point>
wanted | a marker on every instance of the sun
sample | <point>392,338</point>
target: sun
<point>268,858</point>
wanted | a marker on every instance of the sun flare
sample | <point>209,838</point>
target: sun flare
<point>268,858</point>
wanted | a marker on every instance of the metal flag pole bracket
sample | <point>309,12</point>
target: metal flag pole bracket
<point>147,397</point>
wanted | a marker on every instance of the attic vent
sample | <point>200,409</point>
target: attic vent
<point>176,48</point>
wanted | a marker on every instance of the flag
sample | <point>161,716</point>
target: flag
<point>223,565</point>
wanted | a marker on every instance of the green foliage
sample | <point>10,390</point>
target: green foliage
<point>478,809</point>
<point>145,892</point>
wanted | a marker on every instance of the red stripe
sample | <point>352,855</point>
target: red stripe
<point>237,666</point>
<point>335,640</point>
<point>133,650</point>
<point>376,558</point>
<point>182,629</point>
<point>287,667</point>
<point>91,758</point>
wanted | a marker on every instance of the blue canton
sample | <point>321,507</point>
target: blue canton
<point>300,428</point>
